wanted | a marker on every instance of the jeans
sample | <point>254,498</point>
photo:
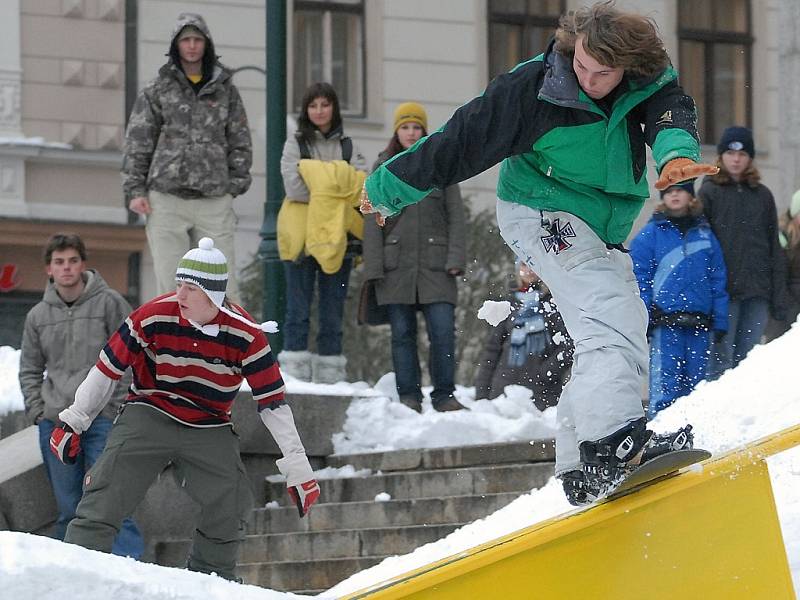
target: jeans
<point>300,278</point>
<point>440,324</point>
<point>67,482</point>
<point>747,320</point>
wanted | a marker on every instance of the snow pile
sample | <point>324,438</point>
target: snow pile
<point>345,472</point>
<point>38,567</point>
<point>10,394</point>
<point>381,423</point>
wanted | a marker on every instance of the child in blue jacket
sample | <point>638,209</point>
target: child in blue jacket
<point>681,274</point>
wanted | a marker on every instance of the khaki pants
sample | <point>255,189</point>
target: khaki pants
<point>176,224</point>
<point>206,464</point>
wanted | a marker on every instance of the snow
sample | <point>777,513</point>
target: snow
<point>38,142</point>
<point>10,394</point>
<point>381,423</point>
<point>494,312</point>
<point>756,399</point>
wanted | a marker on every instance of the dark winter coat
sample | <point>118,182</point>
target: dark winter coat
<point>560,150</point>
<point>681,273</point>
<point>411,255</point>
<point>745,221</point>
<point>192,144</point>
<point>544,374</point>
<point>65,341</point>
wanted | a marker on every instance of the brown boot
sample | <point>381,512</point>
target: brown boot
<point>449,404</point>
<point>412,403</point>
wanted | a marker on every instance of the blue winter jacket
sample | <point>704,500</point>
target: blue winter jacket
<point>681,273</point>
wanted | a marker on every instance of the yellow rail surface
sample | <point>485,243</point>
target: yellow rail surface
<point>709,532</point>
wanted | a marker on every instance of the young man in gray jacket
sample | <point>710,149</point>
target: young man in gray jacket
<point>63,335</point>
<point>188,153</point>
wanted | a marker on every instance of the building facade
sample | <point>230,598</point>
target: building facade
<point>69,70</point>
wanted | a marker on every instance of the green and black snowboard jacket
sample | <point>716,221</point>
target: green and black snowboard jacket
<point>560,150</point>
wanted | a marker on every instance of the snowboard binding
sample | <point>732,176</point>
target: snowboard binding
<point>609,460</point>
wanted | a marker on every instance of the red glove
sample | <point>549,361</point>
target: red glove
<point>683,169</point>
<point>65,444</point>
<point>304,495</point>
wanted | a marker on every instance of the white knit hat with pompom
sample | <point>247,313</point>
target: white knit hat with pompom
<point>207,268</point>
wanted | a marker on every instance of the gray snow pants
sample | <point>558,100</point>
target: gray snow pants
<point>206,464</point>
<point>598,297</point>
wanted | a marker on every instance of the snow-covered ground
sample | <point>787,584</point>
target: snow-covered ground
<point>754,400</point>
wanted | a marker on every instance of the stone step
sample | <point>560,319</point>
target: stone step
<point>320,545</point>
<point>304,575</point>
<point>448,458</point>
<point>369,514</point>
<point>467,481</point>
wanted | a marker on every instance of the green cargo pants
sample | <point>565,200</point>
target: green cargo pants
<point>206,464</point>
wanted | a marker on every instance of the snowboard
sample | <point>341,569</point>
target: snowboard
<point>656,469</point>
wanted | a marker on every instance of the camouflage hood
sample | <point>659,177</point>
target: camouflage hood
<point>188,19</point>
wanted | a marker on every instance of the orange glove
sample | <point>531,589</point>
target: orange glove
<point>682,169</point>
<point>367,208</point>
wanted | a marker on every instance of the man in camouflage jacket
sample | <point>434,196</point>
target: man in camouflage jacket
<point>187,152</point>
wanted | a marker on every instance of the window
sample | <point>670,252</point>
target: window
<point>715,59</point>
<point>329,46</point>
<point>520,29</point>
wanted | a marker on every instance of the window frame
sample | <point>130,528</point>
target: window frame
<point>527,21</point>
<point>710,38</point>
<point>326,8</point>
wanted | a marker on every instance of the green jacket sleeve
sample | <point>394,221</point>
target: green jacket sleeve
<point>479,135</point>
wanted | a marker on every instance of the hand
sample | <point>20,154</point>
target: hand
<point>140,205</point>
<point>65,444</point>
<point>367,208</point>
<point>304,495</point>
<point>455,272</point>
<point>682,169</point>
<point>718,336</point>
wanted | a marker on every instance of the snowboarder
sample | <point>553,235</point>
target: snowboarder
<point>570,127</point>
<point>189,352</point>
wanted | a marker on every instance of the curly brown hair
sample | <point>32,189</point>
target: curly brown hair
<point>614,38</point>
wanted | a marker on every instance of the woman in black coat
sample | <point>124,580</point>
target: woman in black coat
<point>414,261</point>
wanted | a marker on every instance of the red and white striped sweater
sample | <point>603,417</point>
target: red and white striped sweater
<point>190,375</point>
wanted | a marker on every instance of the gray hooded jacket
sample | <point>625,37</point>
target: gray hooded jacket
<point>192,143</point>
<point>65,342</point>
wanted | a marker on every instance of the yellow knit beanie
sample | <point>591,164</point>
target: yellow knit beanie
<point>410,112</point>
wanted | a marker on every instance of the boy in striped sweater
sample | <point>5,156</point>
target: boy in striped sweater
<point>189,352</point>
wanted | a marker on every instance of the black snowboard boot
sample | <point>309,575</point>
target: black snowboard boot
<point>609,460</point>
<point>576,488</point>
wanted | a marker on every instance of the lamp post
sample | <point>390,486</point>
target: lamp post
<point>274,293</point>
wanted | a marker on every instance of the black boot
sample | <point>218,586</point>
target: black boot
<point>609,460</point>
<point>576,488</point>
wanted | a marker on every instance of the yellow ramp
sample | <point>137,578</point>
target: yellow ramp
<point>711,532</point>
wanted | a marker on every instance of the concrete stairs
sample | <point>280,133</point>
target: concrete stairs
<point>433,492</point>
